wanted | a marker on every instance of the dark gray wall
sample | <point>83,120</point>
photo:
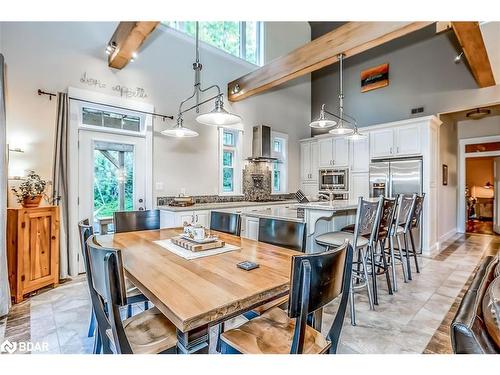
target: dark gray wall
<point>420,66</point>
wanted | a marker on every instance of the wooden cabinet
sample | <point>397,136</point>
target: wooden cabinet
<point>333,152</point>
<point>32,249</point>
<point>396,141</point>
<point>360,155</point>
<point>309,161</point>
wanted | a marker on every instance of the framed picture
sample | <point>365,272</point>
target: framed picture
<point>375,78</point>
<point>445,174</point>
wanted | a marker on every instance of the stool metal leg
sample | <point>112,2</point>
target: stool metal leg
<point>97,343</point>
<point>414,251</point>
<point>386,269</point>
<point>129,311</point>
<point>367,279</point>
<point>351,305</point>
<point>393,263</point>
<point>400,248</point>
<point>92,324</point>
<point>371,252</point>
<point>407,255</point>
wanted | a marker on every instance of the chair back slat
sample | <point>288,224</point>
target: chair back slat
<point>405,204</point>
<point>367,217</point>
<point>109,283</point>
<point>386,217</point>
<point>131,221</point>
<point>225,222</point>
<point>417,211</point>
<point>317,279</point>
<point>289,234</point>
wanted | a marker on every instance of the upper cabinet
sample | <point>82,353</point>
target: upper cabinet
<point>309,161</point>
<point>333,152</point>
<point>360,155</point>
<point>396,141</point>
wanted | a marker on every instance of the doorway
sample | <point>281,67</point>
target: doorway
<point>112,165</point>
<point>480,194</point>
<point>111,177</point>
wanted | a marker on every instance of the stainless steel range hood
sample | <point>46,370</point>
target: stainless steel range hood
<point>261,144</point>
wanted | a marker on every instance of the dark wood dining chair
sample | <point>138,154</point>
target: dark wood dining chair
<point>283,233</point>
<point>317,279</point>
<point>131,221</point>
<point>225,222</point>
<point>134,295</point>
<point>148,332</point>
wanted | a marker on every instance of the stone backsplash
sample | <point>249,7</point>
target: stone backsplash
<point>164,201</point>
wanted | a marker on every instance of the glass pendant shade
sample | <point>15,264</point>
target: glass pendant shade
<point>357,135</point>
<point>218,116</point>
<point>322,122</point>
<point>341,130</point>
<point>179,131</point>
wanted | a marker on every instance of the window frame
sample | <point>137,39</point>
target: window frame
<point>259,40</point>
<point>236,150</point>
<point>282,162</point>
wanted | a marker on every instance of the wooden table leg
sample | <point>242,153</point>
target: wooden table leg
<point>194,341</point>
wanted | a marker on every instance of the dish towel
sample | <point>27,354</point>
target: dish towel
<point>187,254</point>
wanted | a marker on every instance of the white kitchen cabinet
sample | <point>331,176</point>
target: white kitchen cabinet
<point>360,155</point>
<point>309,161</point>
<point>252,228</point>
<point>381,143</point>
<point>333,152</point>
<point>360,186</point>
<point>408,140</point>
<point>171,219</point>
<point>396,141</point>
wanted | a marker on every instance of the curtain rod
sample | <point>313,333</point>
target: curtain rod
<point>50,95</point>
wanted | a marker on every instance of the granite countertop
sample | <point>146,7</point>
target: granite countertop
<point>224,205</point>
<point>288,213</point>
<point>334,206</point>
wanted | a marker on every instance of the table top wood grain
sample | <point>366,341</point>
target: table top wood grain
<point>203,291</point>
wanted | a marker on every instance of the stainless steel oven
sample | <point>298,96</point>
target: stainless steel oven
<point>334,179</point>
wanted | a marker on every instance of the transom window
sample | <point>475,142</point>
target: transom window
<point>241,39</point>
<point>230,162</point>
<point>97,117</point>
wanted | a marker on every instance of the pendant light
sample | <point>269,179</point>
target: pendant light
<point>218,116</point>
<point>179,131</point>
<point>346,125</point>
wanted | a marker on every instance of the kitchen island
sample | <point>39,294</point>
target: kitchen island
<point>322,217</point>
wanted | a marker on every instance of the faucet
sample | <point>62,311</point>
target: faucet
<point>328,194</point>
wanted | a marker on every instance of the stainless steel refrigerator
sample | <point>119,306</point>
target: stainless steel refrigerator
<point>390,177</point>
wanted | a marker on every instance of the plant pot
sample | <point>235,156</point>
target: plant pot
<point>29,202</point>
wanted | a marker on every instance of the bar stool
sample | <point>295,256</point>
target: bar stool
<point>367,217</point>
<point>379,263</point>
<point>400,228</point>
<point>415,220</point>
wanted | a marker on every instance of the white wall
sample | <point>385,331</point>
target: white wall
<point>53,56</point>
<point>447,195</point>
<point>479,128</point>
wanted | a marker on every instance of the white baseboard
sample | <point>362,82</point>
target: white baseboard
<point>447,236</point>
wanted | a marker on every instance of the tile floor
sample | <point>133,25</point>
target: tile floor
<point>402,323</point>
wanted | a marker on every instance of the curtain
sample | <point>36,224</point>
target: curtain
<point>4,280</point>
<point>60,183</point>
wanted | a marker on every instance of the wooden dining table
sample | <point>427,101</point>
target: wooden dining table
<point>199,293</point>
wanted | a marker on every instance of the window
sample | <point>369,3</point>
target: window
<point>280,167</point>
<point>97,117</point>
<point>230,162</point>
<point>240,39</point>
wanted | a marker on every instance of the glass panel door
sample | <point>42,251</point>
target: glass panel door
<point>111,177</point>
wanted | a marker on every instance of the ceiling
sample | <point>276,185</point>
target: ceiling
<point>491,37</point>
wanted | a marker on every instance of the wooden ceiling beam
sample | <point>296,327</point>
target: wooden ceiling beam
<point>349,39</point>
<point>127,40</point>
<point>471,40</point>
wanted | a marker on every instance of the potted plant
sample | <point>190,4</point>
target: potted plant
<point>30,192</point>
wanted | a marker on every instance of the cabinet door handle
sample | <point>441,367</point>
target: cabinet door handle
<point>397,150</point>
<point>196,218</point>
<point>391,150</point>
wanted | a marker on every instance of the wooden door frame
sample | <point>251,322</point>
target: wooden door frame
<point>462,155</point>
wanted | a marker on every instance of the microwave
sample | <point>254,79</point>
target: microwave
<point>334,179</point>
